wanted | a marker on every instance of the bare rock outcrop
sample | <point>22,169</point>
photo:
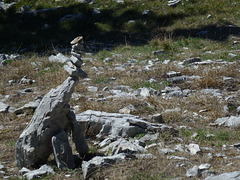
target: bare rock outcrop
<point>50,123</point>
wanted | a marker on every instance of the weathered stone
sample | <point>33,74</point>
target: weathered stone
<point>232,121</point>
<point>165,151</point>
<point>88,167</point>
<point>62,151</point>
<point>58,58</point>
<point>178,79</point>
<point>77,40</point>
<point>157,118</point>
<point>25,80</point>
<point>193,149</point>
<point>173,74</point>
<point>193,172</point>
<point>149,138</point>
<point>24,171</point>
<point>128,109</point>
<point>123,146</point>
<point>173,2</point>
<point>52,116</point>
<point>145,156</point>
<point>29,106</point>
<point>75,72</point>
<point>191,60</point>
<point>232,175</point>
<point>115,125</point>
<point>4,107</point>
<point>42,171</point>
<point>76,61</point>
<point>158,53</point>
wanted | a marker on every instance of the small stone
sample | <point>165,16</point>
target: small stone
<point>77,40</point>
<point>191,60</point>
<point>108,59</point>
<point>4,107</point>
<point>92,89</point>
<point>128,109</point>
<point>194,149</point>
<point>75,72</point>
<point>173,74</point>
<point>24,171</point>
<point>157,53</point>
<point>193,172</point>
<point>166,151</point>
<point>76,61</point>
<point>157,118</point>
<point>232,55</point>
<point>203,167</point>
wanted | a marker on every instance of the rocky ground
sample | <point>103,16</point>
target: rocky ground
<point>156,119</point>
<point>168,108</point>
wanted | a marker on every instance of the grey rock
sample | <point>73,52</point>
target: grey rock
<point>173,2</point>
<point>232,175</point>
<point>62,151</point>
<point>115,125</point>
<point>123,146</point>
<point>71,17</point>
<point>75,71</point>
<point>4,107</point>
<point>29,106</point>
<point>58,58</point>
<point>6,6</point>
<point>128,109</point>
<point>157,118</point>
<point>191,60</point>
<point>88,167</point>
<point>92,88</point>
<point>108,59</point>
<point>177,158</point>
<point>145,92</point>
<point>149,138</point>
<point>173,74</point>
<point>178,79</point>
<point>203,167</point>
<point>145,156</point>
<point>76,61</point>
<point>24,171</point>
<point>38,173</point>
<point>165,151</point>
<point>194,149</point>
<point>25,80</point>
<point>232,121</point>
<point>52,116</point>
<point>157,53</point>
<point>193,172</point>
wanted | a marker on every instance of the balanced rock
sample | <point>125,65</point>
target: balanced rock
<point>47,130</point>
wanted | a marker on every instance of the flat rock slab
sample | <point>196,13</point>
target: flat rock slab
<point>232,175</point>
<point>88,167</point>
<point>103,125</point>
<point>44,170</point>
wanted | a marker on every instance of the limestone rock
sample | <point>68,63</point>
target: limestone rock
<point>232,175</point>
<point>52,116</point>
<point>42,171</point>
<point>232,121</point>
<point>62,151</point>
<point>88,167</point>
<point>193,172</point>
<point>29,106</point>
<point>4,107</point>
<point>193,149</point>
<point>105,125</point>
<point>123,146</point>
<point>58,58</point>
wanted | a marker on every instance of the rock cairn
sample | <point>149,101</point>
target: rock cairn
<point>52,121</point>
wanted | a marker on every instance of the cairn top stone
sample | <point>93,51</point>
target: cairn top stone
<point>77,40</point>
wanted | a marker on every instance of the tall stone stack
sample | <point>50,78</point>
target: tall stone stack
<point>53,121</point>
